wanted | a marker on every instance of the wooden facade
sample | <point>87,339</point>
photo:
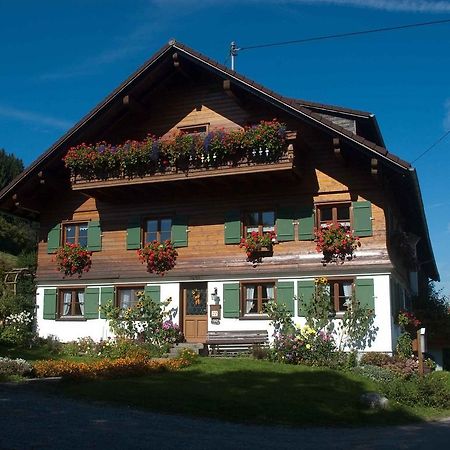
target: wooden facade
<point>334,157</point>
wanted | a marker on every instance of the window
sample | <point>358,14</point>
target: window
<point>337,214</point>
<point>71,303</point>
<point>157,230</point>
<point>76,233</point>
<point>127,296</point>
<point>203,128</point>
<point>259,221</point>
<point>255,296</point>
<point>341,292</point>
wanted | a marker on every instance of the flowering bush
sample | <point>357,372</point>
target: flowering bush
<point>10,366</point>
<point>147,321</point>
<point>304,345</point>
<point>160,257</point>
<point>260,143</point>
<point>73,259</point>
<point>17,328</point>
<point>336,242</point>
<point>256,241</point>
<point>106,368</point>
<point>408,319</point>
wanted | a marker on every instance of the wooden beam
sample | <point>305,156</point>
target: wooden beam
<point>176,62</point>
<point>132,104</point>
<point>337,148</point>
<point>374,167</point>
<point>227,88</point>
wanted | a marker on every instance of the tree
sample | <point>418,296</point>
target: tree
<point>432,309</point>
<point>10,167</point>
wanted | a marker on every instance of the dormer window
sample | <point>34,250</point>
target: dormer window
<point>202,128</point>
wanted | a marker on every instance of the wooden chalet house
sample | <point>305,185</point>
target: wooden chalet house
<point>314,165</point>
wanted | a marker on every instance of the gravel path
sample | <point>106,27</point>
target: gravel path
<point>33,419</point>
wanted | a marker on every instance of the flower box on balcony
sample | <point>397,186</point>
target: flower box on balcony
<point>262,147</point>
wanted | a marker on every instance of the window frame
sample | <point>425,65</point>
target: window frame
<point>118,289</point>
<point>334,205</point>
<point>158,232</point>
<point>334,293</point>
<point>60,303</point>
<point>187,129</point>
<point>260,213</point>
<point>243,298</point>
<point>77,224</point>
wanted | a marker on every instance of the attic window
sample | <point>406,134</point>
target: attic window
<point>203,128</point>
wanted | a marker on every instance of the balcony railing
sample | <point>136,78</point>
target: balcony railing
<point>139,163</point>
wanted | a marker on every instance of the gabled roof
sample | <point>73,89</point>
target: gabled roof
<point>311,112</point>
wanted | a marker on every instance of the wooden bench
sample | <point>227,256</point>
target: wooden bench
<point>234,342</point>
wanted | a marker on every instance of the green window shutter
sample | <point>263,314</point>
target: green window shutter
<point>180,231</point>
<point>54,239</point>
<point>285,294</point>
<point>233,227</point>
<point>107,294</point>
<point>94,236</point>
<point>364,292</point>
<point>154,292</point>
<point>50,304</point>
<point>305,292</point>
<point>134,234</point>
<point>285,225</point>
<point>362,218</point>
<point>91,296</point>
<point>306,224</point>
<point>231,300</point>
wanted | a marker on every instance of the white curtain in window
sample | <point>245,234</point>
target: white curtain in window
<point>81,302</point>
<point>126,299</point>
<point>249,297</point>
<point>270,292</point>
<point>67,301</point>
<point>347,287</point>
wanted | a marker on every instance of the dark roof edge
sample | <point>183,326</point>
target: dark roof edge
<point>333,108</point>
<point>415,180</point>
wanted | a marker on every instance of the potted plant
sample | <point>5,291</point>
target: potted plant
<point>336,242</point>
<point>73,259</point>
<point>258,244</point>
<point>160,257</point>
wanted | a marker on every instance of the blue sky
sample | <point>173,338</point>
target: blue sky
<point>59,59</point>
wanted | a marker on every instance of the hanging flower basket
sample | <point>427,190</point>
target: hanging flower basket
<point>73,259</point>
<point>336,242</point>
<point>160,257</point>
<point>258,245</point>
<point>408,322</point>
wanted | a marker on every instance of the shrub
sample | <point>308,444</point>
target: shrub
<point>14,367</point>
<point>430,390</point>
<point>375,359</point>
<point>17,329</point>
<point>188,355</point>
<point>375,373</point>
<point>404,345</point>
<point>143,321</point>
<point>106,368</point>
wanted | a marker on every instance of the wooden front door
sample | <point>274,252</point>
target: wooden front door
<point>195,311</point>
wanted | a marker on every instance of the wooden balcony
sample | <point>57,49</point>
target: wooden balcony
<point>189,171</point>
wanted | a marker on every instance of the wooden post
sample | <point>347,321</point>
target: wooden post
<point>419,352</point>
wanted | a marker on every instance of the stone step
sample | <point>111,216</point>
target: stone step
<point>178,347</point>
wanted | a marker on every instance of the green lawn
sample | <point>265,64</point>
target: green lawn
<point>252,391</point>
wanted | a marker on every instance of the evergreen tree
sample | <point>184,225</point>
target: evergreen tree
<point>10,167</point>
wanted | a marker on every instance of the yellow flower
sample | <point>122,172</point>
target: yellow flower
<point>308,346</point>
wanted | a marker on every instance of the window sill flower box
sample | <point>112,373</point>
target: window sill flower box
<point>72,259</point>
<point>160,257</point>
<point>336,242</point>
<point>258,245</point>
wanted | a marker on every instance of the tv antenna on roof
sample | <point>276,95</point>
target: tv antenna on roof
<point>233,53</point>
